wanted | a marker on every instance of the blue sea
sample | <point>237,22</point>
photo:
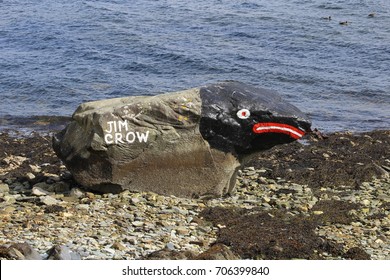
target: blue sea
<point>55,55</point>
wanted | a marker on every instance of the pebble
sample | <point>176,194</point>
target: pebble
<point>35,168</point>
<point>131,225</point>
<point>4,188</point>
<point>119,246</point>
<point>137,223</point>
<point>366,202</point>
<point>82,207</point>
<point>76,192</point>
<point>37,191</point>
<point>61,187</point>
<point>170,246</point>
<point>30,176</point>
<point>48,200</point>
<point>43,186</point>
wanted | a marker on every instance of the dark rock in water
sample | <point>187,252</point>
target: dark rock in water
<point>188,143</point>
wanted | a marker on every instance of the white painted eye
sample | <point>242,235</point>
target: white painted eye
<point>243,114</point>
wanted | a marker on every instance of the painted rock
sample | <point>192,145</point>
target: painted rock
<point>189,143</point>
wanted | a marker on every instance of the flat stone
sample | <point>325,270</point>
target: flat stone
<point>37,191</point>
<point>61,187</point>
<point>137,223</point>
<point>48,200</point>
<point>35,168</point>
<point>170,246</point>
<point>366,202</point>
<point>218,252</point>
<point>24,251</point>
<point>4,188</point>
<point>9,209</point>
<point>9,199</point>
<point>44,186</point>
<point>83,207</point>
<point>131,239</point>
<point>30,176</point>
<point>59,252</point>
<point>182,230</point>
<point>76,192</point>
<point>119,246</point>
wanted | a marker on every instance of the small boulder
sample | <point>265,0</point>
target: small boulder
<point>188,143</point>
<point>218,252</point>
<point>61,252</point>
<point>19,251</point>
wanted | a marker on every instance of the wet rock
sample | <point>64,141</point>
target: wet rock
<point>188,143</point>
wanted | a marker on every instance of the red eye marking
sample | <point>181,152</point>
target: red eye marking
<point>243,114</point>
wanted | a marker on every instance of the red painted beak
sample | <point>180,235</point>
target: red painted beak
<point>291,131</point>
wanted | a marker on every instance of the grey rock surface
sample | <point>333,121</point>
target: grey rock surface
<point>179,143</point>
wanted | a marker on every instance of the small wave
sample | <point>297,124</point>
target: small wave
<point>329,7</point>
<point>243,35</point>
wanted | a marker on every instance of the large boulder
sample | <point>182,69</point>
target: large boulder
<point>187,143</point>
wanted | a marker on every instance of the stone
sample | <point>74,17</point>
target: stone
<point>4,188</point>
<point>20,251</point>
<point>9,199</point>
<point>137,223</point>
<point>218,252</point>
<point>30,176</point>
<point>166,254</point>
<point>76,192</point>
<point>37,191</point>
<point>83,207</point>
<point>44,186</point>
<point>182,231</point>
<point>61,252</point>
<point>131,239</point>
<point>60,187</point>
<point>35,168</point>
<point>188,143</point>
<point>119,246</point>
<point>170,246</point>
<point>48,200</point>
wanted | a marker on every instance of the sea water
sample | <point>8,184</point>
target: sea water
<point>55,55</point>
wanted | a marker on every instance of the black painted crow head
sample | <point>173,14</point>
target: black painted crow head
<point>243,119</point>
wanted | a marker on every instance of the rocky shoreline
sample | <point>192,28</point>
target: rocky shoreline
<point>327,197</point>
